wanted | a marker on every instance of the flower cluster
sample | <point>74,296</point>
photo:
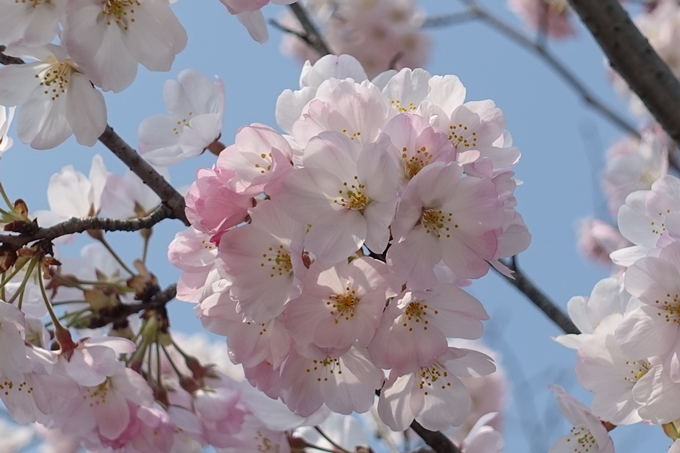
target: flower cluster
<point>552,17</point>
<point>333,253</point>
<point>101,43</point>
<point>629,348</point>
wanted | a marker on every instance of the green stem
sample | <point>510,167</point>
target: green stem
<point>172,364</point>
<point>115,255</point>
<point>5,280</point>
<point>55,320</point>
<point>23,283</point>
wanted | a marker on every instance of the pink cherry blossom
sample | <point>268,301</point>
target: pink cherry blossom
<point>192,252</point>
<point>598,239</point>
<point>483,438</point>
<point>264,261</point>
<point>551,16</point>
<point>416,324</point>
<point>346,192</point>
<point>346,383</point>
<point>127,196</point>
<point>339,304</point>
<point>257,162</point>
<point>442,216</point>
<point>434,395</point>
<point>212,207</point>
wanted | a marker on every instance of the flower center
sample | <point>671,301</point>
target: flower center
<point>416,162</point>
<point>430,375</point>
<point>461,138</point>
<point>585,441</point>
<point>55,79</point>
<point>264,444</point>
<point>352,196</point>
<point>396,103</point>
<point>343,305</point>
<point>435,221</point>
<point>670,305</point>
<point>120,11</point>
<point>279,261</point>
<point>322,367</point>
<point>97,394</point>
<point>637,370</point>
<point>415,312</point>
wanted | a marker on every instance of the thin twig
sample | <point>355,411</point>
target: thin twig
<point>631,55</point>
<point>312,35</point>
<point>476,10</point>
<point>538,297</point>
<point>335,445</point>
<point>75,225</point>
<point>146,172</point>
<point>449,19</point>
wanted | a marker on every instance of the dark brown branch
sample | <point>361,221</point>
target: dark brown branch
<point>435,439</point>
<point>121,311</point>
<point>631,55</point>
<point>75,225</point>
<point>146,172</point>
<point>312,36</point>
<point>449,19</point>
<point>560,69</point>
<point>6,59</point>
<point>538,297</point>
<point>133,160</point>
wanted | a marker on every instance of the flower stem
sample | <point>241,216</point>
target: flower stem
<point>113,253</point>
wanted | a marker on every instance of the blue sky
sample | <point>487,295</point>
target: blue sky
<point>562,144</point>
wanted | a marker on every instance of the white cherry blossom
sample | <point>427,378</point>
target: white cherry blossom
<point>196,106</point>
<point>109,39</point>
<point>56,99</point>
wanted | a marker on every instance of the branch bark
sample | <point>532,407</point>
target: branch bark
<point>312,35</point>
<point>75,225</point>
<point>539,298</point>
<point>631,55</point>
<point>146,172</point>
<point>435,439</point>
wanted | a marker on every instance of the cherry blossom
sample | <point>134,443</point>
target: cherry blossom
<point>442,216</point>
<point>56,98</point>
<point>433,395</point>
<point>416,324</point>
<point>483,438</point>
<point>6,116</point>
<point>598,239</point>
<point>550,16</point>
<point>338,194</point>
<point>193,253</point>
<point>108,40</point>
<point>127,196</point>
<point>30,24</point>
<point>248,13</point>
<point>196,106</point>
<point>72,194</point>
<point>262,260</point>
<point>587,434</point>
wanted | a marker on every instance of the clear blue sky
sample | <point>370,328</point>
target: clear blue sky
<point>562,144</point>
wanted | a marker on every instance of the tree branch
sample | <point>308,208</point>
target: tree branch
<point>75,225</point>
<point>631,55</point>
<point>133,160</point>
<point>146,172</point>
<point>312,35</point>
<point>122,311</point>
<point>476,10</point>
<point>538,297</point>
<point>435,439</point>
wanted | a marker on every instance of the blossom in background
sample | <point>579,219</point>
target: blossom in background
<point>56,99</point>
<point>381,35</point>
<point>248,13</point>
<point>553,17</point>
<point>196,106</point>
<point>30,23</point>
